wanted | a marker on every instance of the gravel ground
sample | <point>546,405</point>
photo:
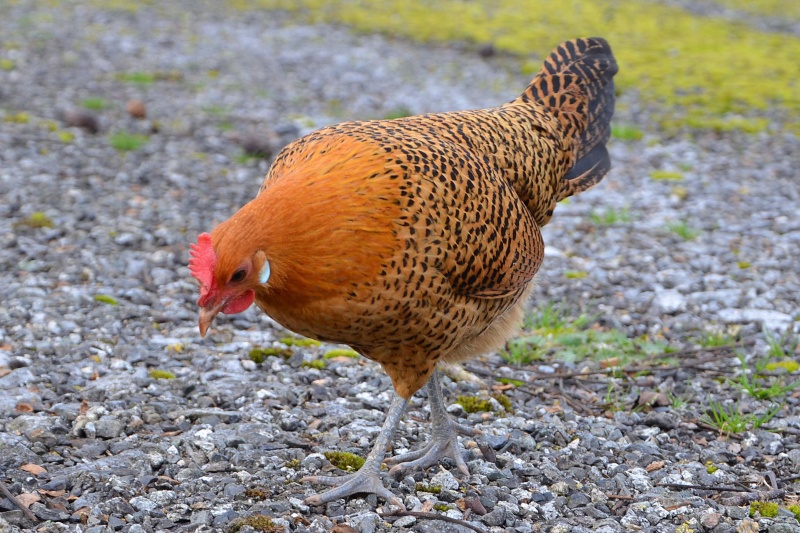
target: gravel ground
<point>95,295</point>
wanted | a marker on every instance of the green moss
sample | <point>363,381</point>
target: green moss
<point>318,364</point>
<point>294,464</point>
<point>65,136</point>
<point>349,462</point>
<point>503,400</point>
<point>789,365</point>
<point>432,489</point>
<point>17,118</point>
<point>666,175</point>
<point>125,142</point>
<point>6,64</point>
<point>259,355</point>
<point>795,508</point>
<point>575,274</point>
<point>509,381</point>
<point>471,404</point>
<point>161,374</point>
<point>441,507</point>
<point>340,352</point>
<point>711,467</point>
<point>298,341</point>
<point>141,78</point>
<point>259,522</point>
<point>626,132</point>
<point>693,66</point>
<point>765,509</point>
<point>95,103</point>
<point>106,299</point>
<point>743,264</point>
<point>36,220</point>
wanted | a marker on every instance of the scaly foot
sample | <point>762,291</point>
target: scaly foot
<point>366,480</point>
<point>368,477</point>
<point>444,439</point>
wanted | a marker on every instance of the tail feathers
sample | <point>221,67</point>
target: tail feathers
<point>576,85</point>
<point>585,173</point>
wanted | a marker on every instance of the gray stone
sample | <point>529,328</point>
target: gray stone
<point>496,517</point>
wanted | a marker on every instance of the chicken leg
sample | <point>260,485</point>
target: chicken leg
<point>444,439</point>
<point>368,477</point>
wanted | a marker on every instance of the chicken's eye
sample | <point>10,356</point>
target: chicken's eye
<point>238,276</point>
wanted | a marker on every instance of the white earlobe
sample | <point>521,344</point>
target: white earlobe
<point>263,277</point>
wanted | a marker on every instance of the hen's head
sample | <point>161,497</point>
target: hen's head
<point>228,283</point>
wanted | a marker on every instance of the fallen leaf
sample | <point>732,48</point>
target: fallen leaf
<point>52,493</point>
<point>24,407</point>
<point>84,408</point>
<point>27,498</point>
<point>31,468</point>
<point>655,465</point>
<point>427,507</point>
<point>608,363</point>
<point>343,528</point>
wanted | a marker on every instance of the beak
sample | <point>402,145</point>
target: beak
<point>207,315</point>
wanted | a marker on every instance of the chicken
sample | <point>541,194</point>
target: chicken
<point>414,240</point>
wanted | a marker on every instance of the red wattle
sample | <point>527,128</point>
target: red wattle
<point>240,303</point>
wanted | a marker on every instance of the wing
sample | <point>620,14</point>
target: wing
<point>468,222</point>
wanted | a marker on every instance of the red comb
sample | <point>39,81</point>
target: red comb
<point>203,260</point>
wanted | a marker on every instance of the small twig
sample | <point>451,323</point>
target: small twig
<point>433,516</point>
<point>790,478</point>
<point>704,487</point>
<point>619,497</point>
<point>750,497</point>
<point>7,493</point>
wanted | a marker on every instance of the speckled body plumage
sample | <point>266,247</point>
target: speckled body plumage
<point>417,240</point>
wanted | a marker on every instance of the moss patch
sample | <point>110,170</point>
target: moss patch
<point>259,522</point>
<point>340,352</point>
<point>161,374</point>
<point>509,381</point>
<point>126,142</point>
<point>789,365</point>
<point>666,175</point>
<point>696,66</point>
<point>105,298</point>
<point>259,355</point>
<point>765,509</point>
<point>432,489</point>
<point>318,364</point>
<point>36,220</point>
<point>503,400</point>
<point>298,341</point>
<point>349,462</point>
